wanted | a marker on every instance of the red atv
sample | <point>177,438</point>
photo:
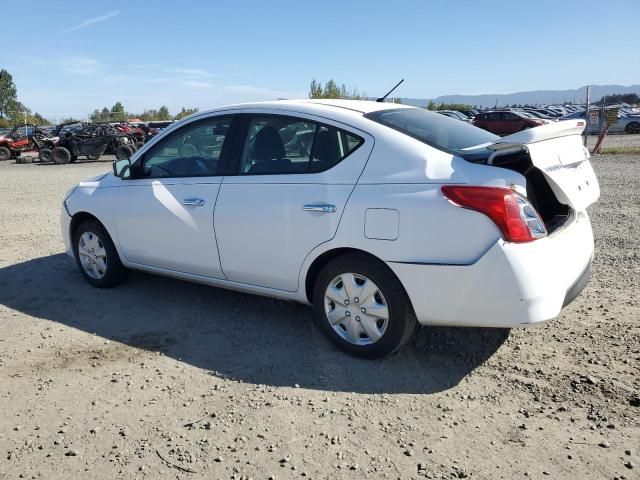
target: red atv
<point>22,139</point>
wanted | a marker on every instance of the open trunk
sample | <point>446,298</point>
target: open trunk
<point>554,162</point>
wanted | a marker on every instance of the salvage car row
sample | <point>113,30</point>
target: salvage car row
<point>506,121</point>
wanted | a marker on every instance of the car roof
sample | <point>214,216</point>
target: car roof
<point>355,108</point>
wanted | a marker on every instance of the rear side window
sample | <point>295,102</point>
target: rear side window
<point>276,144</point>
<point>439,131</point>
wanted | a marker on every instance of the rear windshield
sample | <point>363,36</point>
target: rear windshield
<point>445,133</point>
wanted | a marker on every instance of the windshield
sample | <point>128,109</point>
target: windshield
<point>439,131</point>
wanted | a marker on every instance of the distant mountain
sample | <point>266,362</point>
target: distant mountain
<point>532,98</point>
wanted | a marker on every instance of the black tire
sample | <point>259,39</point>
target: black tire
<point>61,156</point>
<point>633,127</point>
<point>45,154</point>
<point>115,272</point>
<point>123,151</point>
<point>23,159</point>
<point>401,317</point>
<point>5,153</point>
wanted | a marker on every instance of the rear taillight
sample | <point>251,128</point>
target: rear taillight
<point>511,212</point>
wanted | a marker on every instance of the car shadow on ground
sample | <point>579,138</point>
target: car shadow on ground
<point>239,336</point>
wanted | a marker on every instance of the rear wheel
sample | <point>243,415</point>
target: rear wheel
<point>61,155</point>
<point>45,154</point>
<point>362,307</point>
<point>96,255</point>
<point>633,127</point>
<point>5,153</point>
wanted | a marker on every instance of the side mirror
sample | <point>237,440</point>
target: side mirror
<point>122,168</point>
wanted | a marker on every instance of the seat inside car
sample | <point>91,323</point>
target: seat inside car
<point>326,150</point>
<point>268,153</point>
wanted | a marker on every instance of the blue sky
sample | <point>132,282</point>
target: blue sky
<point>73,56</point>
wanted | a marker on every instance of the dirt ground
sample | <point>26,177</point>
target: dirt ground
<point>164,379</point>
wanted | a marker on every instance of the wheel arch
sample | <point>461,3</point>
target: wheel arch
<point>323,259</point>
<point>79,218</point>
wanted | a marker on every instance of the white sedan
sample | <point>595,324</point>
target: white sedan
<point>382,216</point>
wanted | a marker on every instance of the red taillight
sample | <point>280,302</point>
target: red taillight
<point>512,213</point>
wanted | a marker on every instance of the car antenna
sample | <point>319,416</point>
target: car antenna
<point>382,99</point>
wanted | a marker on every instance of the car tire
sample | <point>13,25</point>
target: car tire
<point>352,328</point>
<point>24,159</point>
<point>633,127</point>
<point>5,153</point>
<point>45,154</point>
<point>123,152</point>
<point>61,155</point>
<point>96,256</point>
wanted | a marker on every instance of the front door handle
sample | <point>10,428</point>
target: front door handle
<point>320,207</point>
<point>193,202</point>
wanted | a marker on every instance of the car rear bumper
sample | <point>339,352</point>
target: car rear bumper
<point>511,285</point>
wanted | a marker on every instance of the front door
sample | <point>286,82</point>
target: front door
<point>285,197</point>
<point>165,214</point>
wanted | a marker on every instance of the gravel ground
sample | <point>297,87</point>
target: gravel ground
<point>164,379</point>
<point>615,141</point>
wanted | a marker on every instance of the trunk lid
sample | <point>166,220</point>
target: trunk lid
<point>556,149</point>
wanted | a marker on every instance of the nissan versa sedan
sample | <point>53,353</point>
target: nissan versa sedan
<point>381,216</point>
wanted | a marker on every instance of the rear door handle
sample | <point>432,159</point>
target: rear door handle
<point>193,202</point>
<point>319,207</point>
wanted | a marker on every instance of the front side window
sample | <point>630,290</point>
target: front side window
<point>286,145</point>
<point>191,151</point>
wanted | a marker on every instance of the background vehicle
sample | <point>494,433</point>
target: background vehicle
<point>625,124</point>
<point>505,122</point>
<point>454,114</point>
<point>90,141</point>
<point>21,139</point>
<point>381,222</point>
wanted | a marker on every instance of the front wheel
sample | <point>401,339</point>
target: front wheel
<point>123,152</point>
<point>96,255</point>
<point>5,153</point>
<point>362,307</point>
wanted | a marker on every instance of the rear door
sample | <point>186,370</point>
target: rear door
<point>285,195</point>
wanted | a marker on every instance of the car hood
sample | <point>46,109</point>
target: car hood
<point>92,182</point>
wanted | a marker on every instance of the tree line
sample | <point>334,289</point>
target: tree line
<point>117,113</point>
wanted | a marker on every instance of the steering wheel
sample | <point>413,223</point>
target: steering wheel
<point>171,174</point>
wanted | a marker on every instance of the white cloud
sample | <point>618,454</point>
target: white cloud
<point>91,21</point>
<point>196,84</point>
